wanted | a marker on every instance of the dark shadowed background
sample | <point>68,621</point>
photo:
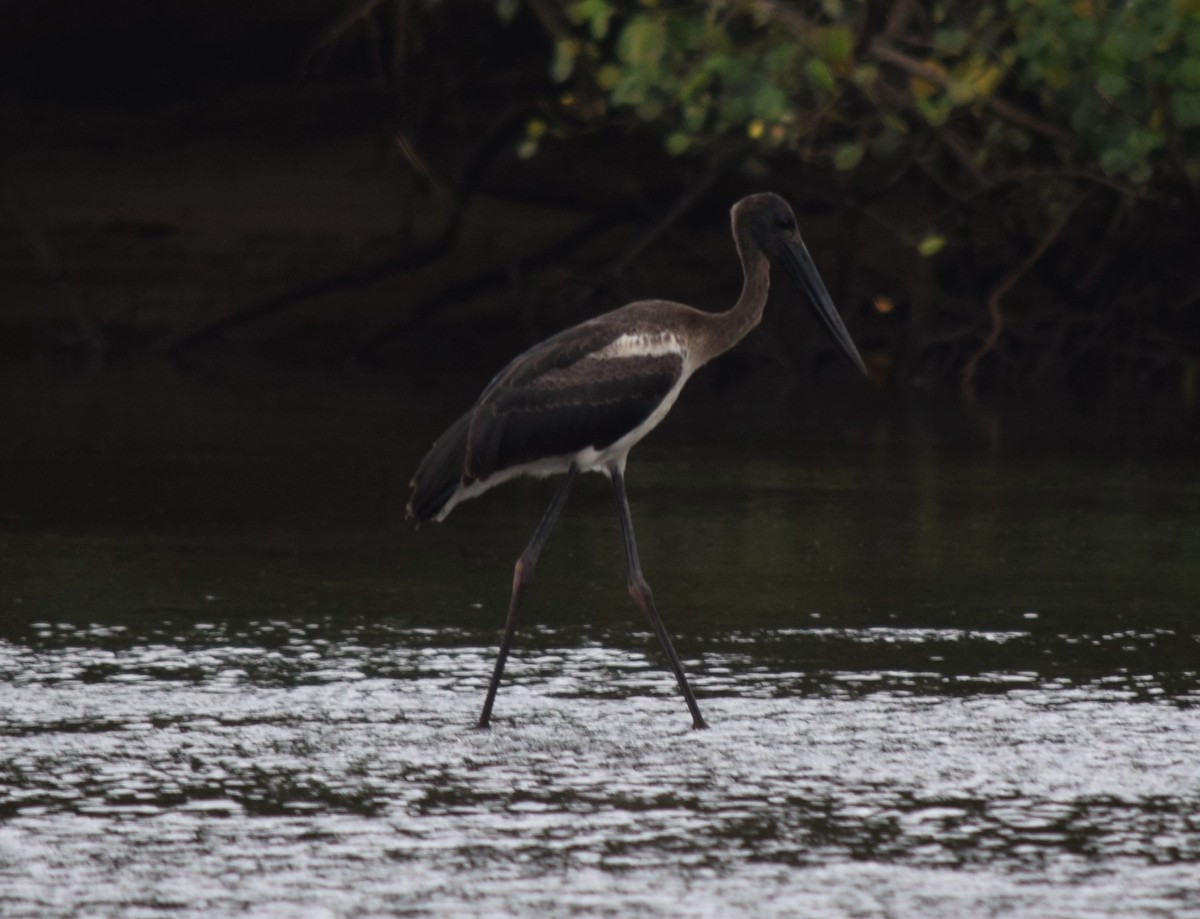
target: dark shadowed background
<point>397,196</point>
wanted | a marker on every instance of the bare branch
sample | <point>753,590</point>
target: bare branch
<point>994,298</point>
<point>86,328</point>
<point>789,17</point>
<point>356,12</point>
<point>882,51</point>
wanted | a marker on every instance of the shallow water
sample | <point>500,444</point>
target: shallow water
<point>939,684</point>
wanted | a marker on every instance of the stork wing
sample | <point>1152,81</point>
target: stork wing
<point>565,395</point>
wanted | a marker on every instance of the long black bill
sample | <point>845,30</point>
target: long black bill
<point>802,269</point>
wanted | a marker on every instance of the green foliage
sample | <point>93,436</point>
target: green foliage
<point>1094,85</point>
<point>702,72</point>
<point>1124,77</point>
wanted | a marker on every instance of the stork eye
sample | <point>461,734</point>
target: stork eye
<point>785,222</point>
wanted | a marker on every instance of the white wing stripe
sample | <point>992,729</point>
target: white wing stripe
<point>643,344</point>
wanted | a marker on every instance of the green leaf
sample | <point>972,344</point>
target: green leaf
<point>527,148</point>
<point>1185,106</point>
<point>1188,73</point>
<point>934,109</point>
<point>630,89</point>
<point>1110,83</point>
<point>678,143</point>
<point>865,76</point>
<point>507,9</point>
<point>951,41</point>
<point>1115,160</point>
<point>565,52</point>
<point>694,115</point>
<point>835,44</point>
<point>931,245</point>
<point>1141,141</point>
<point>643,42</point>
<point>1081,33</point>
<point>781,61</point>
<point>820,73</point>
<point>596,13</point>
<point>608,75</point>
<point>847,156</point>
<point>770,102</point>
<point>960,92</point>
<point>1133,44</point>
<point>720,64</point>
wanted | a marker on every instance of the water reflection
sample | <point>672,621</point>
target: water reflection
<point>937,688</point>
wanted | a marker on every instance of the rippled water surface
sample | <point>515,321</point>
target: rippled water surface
<point>939,685</point>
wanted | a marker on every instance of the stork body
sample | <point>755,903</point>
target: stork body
<point>580,400</point>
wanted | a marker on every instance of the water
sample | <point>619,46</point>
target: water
<point>939,683</point>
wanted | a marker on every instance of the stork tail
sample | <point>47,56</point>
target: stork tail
<point>440,473</point>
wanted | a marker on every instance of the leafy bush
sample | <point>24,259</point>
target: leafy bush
<point>1112,89</point>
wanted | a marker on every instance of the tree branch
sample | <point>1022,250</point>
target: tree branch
<point>418,257</point>
<point>993,301</point>
<point>882,51</point>
<point>878,48</point>
<point>88,332</point>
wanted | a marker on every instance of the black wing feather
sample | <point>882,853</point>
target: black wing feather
<point>555,353</point>
<point>554,400</point>
<point>440,472</point>
<point>594,402</point>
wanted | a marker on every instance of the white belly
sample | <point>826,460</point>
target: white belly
<point>590,459</point>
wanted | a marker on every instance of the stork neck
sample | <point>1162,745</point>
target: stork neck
<point>736,323</point>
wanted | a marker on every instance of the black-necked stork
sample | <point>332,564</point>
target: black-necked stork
<point>581,399</point>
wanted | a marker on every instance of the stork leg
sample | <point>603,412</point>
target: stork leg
<point>640,591</point>
<point>522,575</point>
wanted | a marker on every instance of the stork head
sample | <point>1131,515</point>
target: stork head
<point>766,222</point>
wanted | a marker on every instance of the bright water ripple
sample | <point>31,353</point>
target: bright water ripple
<point>302,768</point>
